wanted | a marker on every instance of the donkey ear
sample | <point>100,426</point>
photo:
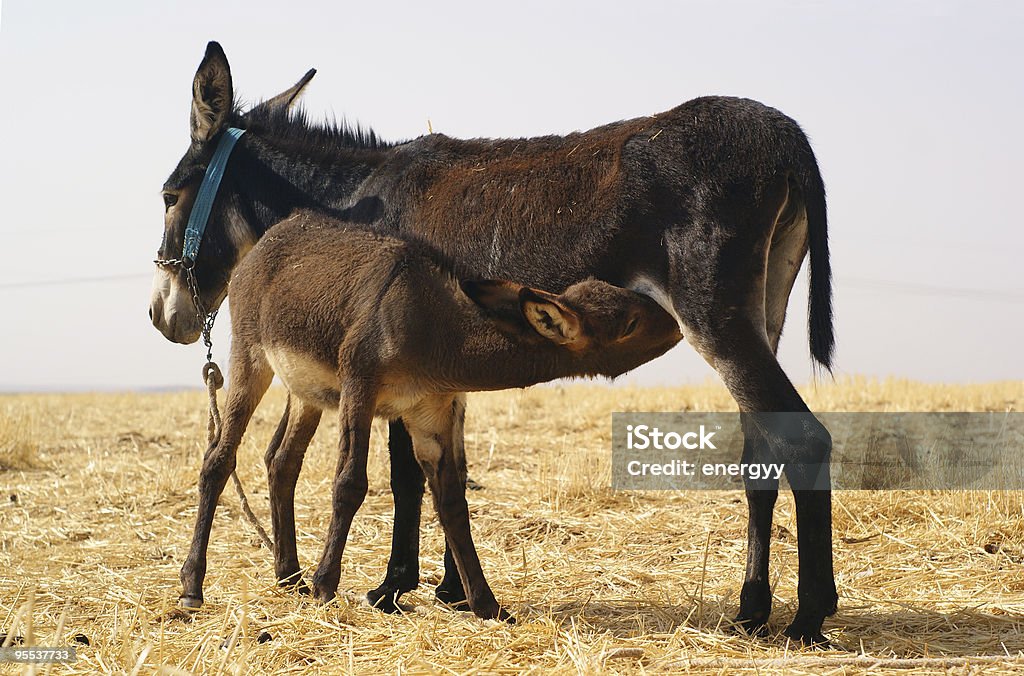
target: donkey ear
<point>551,319</point>
<point>498,297</point>
<point>212,95</point>
<point>499,300</point>
<point>288,97</point>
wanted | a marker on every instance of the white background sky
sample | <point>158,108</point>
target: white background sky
<point>914,110</point>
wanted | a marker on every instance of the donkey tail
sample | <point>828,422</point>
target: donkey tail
<point>819,316</point>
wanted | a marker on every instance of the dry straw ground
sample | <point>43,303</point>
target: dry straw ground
<point>99,499</point>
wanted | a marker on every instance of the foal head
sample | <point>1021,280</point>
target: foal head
<point>606,329</point>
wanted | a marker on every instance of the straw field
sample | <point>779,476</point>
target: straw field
<point>98,501</point>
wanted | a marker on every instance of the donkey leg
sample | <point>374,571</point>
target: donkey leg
<point>756,595</point>
<point>730,273</point>
<point>250,382</point>
<point>451,591</point>
<point>440,451</point>
<point>350,484</point>
<point>453,512</point>
<point>407,483</point>
<point>284,462</point>
<point>275,441</point>
<point>816,589</point>
<point>813,508</point>
<point>757,382</point>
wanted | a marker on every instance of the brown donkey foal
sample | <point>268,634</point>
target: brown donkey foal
<point>376,325</point>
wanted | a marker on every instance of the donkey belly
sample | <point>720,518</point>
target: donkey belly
<point>317,384</point>
<point>307,378</point>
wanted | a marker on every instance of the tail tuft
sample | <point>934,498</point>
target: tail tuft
<point>821,334</point>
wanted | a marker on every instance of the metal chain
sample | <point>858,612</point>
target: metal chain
<point>206,319</point>
<point>170,262</point>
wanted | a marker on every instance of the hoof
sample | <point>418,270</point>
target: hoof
<point>461,606</point>
<point>755,609</point>
<point>324,596</point>
<point>190,602</point>
<point>505,616</point>
<point>453,598</point>
<point>495,612</point>
<point>386,601</point>
<point>807,636</point>
<point>806,626</point>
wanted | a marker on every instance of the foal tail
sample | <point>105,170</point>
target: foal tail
<point>819,316</point>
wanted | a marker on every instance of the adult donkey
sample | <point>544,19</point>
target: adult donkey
<point>709,208</point>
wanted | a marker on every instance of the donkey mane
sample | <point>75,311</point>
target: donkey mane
<point>293,126</point>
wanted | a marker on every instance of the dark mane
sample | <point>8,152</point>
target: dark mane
<point>289,129</point>
<point>292,126</point>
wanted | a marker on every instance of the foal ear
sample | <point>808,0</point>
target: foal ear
<point>212,95</point>
<point>499,300</point>
<point>498,297</point>
<point>551,319</point>
<point>288,97</point>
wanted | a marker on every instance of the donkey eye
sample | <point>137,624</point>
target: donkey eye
<point>170,199</point>
<point>631,327</point>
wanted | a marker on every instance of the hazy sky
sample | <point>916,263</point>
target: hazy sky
<point>913,109</point>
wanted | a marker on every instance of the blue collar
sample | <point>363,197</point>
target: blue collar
<point>207,194</point>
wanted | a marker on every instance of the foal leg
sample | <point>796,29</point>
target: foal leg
<point>350,484</point>
<point>439,448</point>
<point>284,462</point>
<point>250,380</point>
<point>450,591</point>
<point>407,483</point>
